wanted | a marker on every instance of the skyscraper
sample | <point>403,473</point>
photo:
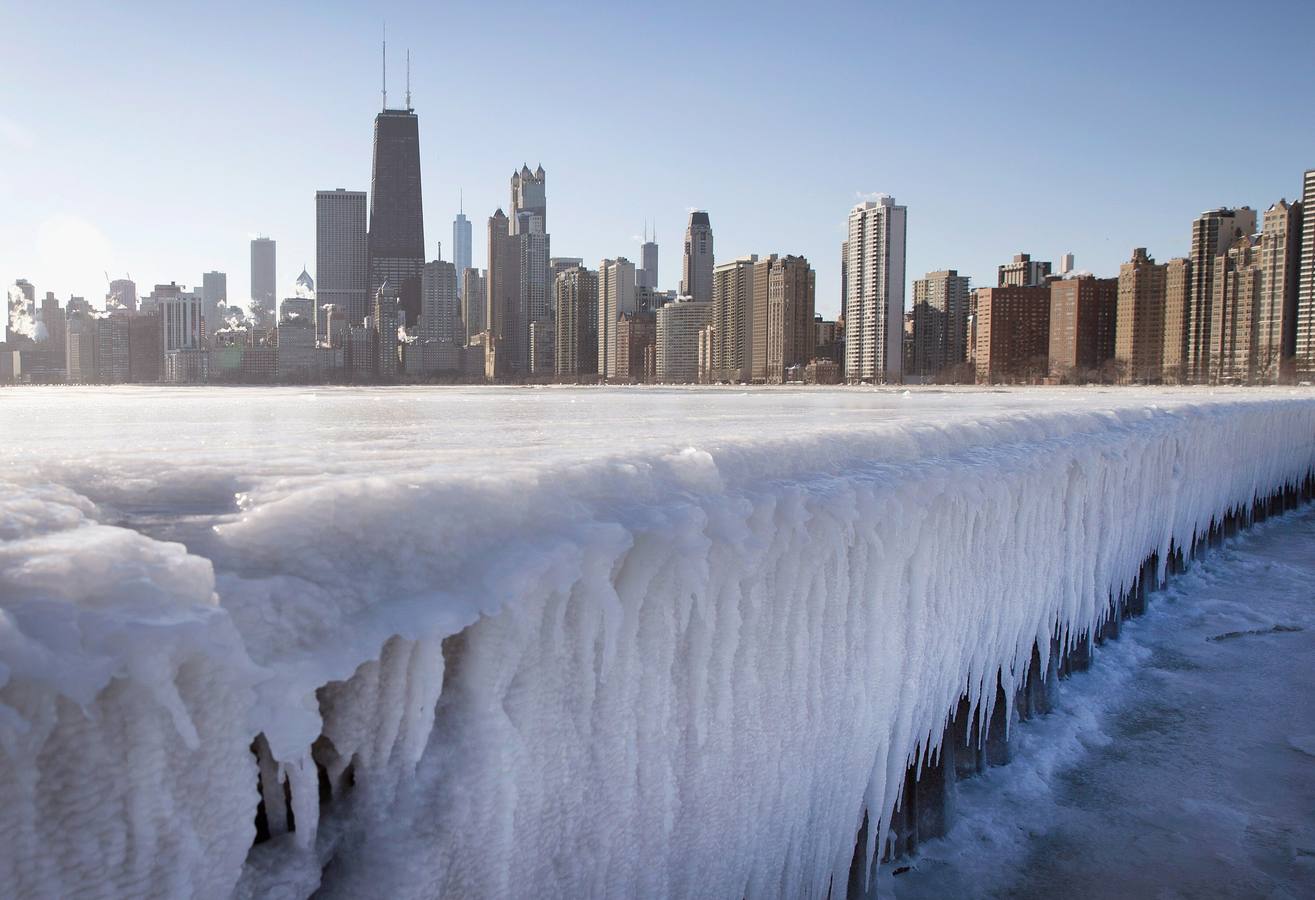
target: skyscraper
<point>397,228</point>
<point>1177,319</point>
<point>214,294</point>
<point>784,298</point>
<point>696,276</point>
<point>263,282</point>
<point>1305,349</point>
<point>940,323</point>
<point>844,277</point>
<point>1083,312</point>
<point>874,300</point>
<point>461,234</point>
<point>677,339</point>
<point>529,228</point>
<point>341,251</point>
<point>576,299</point>
<point>439,311</point>
<point>384,323</point>
<point>647,274</point>
<point>1139,328</point>
<point>1213,232</point>
<point>616,298</point>
<point>732,320</point>
<point>1279,259</point>
<point>474,302</point>
<point>1013,333</point>
<point>507,333</point>
<point>1234,298</point>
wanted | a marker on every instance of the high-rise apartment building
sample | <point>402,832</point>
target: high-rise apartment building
<point>264,295</point>
<point>676,347</point>
<point>396,241</point>
<point>874,296</point>
<point>576,299</point>
<point>461,247</point>
<point>940,323</point>
<point>341,256</point>
<point>784,300</point>
<point>1177,320</point>
<point>1066,264</point>
<point>1213,233</point>
<point>731,335</point>
<point>1139,324</point>
<point>1083,313</point>
<point>1305,329</point>
<point>1013,333</point>
<point>1234,303</point>
<point>635,336</point>
<point>844,277</point>
<point>1279,258</point>
<point>696,274</point>
<point>1023,271</point>
<point>616,298</point>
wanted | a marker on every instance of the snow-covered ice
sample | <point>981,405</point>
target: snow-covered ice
<point>569,642</point>
<point>1181,765</point>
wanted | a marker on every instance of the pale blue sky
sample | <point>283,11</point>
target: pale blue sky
<point>156,139</point>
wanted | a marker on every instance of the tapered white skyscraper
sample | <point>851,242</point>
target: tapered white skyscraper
<point>461,238</point>
<point>874,291</point>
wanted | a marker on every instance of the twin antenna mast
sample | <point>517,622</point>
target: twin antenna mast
<point>384,60</point>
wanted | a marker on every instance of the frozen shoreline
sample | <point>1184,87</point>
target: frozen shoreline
<point>1183,763</point>
<point>677,646</point>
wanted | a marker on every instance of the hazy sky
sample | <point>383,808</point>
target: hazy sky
<point>157,139</point>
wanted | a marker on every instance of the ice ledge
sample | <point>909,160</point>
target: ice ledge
<point>681,674</point>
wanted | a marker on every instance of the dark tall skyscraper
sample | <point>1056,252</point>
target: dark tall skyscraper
<point>647,274</point>
<point>263,281</point>
<point>397,229</point>
<point>696,276</point>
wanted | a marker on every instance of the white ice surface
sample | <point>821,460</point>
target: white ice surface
<point>571,642</point>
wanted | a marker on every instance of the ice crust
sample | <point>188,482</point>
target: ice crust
<point>559,643</point>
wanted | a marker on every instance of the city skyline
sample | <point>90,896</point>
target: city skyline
<point>162,219</point>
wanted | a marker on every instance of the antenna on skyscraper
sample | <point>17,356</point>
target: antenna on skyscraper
<point>408,77</point>
<point>461,200</point>
<point>384,58</point>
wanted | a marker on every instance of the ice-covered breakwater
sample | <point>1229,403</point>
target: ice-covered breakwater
<point>572,643</point>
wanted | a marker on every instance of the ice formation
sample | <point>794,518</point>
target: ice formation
<point>566,642</point>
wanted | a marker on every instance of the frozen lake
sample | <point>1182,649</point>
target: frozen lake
<point>1181,765</point>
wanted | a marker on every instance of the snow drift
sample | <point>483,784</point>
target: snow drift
<point>684,665</point>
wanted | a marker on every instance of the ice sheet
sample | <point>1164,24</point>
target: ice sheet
<point>579,642</point>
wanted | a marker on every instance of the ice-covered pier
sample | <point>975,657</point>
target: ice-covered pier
<point>577,643</point>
